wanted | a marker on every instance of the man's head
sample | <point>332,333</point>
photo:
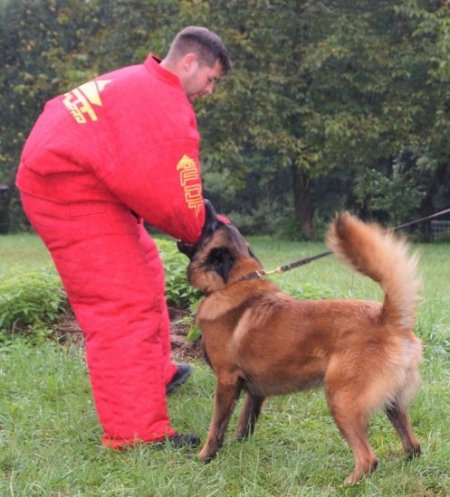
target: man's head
<point>199,58</point>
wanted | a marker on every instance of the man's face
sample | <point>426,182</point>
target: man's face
<point>200,80</point>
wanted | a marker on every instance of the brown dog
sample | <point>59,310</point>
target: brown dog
<point>259,339</point>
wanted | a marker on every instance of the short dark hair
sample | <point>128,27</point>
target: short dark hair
<point>203,42</point>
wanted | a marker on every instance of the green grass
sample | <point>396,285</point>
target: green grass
<point>50,438</point>
<point>24,252</point>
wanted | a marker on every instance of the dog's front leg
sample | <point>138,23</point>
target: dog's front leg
<point>249,416</point>
<point>227,392</point>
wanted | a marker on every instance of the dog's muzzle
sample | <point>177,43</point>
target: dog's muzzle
<point>187,249</point>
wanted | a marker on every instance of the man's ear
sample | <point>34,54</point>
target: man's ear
<point>221,261</point>
<point>189,62</point>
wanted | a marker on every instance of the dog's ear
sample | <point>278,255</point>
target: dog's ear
<point>212,222</point>
<point>210,212</point>
<point>221,261</point>
<point>252,254</point>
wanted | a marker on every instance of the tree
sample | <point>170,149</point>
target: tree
<point>262,125</point>
<point>345,90</point>
<point>332,104</point>
<point>48,47</point>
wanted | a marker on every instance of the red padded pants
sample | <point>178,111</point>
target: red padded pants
<point>114,280</point>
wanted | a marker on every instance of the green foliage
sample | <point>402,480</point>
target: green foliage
<point>194,332</point>
<point>178,291</point>
<point>30,303</point>
<point>269,216</point>
<point>336,87</point>
<point>397,195</point>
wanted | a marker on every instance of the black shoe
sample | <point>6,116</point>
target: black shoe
<point>179,441</point>
<point>180,377</point>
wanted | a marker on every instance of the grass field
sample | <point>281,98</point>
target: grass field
<point>49,435</point>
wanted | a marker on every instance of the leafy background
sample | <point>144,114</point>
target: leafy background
<point>332,104</point>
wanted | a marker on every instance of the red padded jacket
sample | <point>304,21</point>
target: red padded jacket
<point>130,137</point>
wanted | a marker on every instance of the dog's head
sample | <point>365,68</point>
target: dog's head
<point>220,256</point>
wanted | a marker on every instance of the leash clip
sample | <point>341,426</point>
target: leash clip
<point>268,273</point>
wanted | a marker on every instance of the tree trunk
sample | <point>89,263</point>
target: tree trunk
<point>301,185</point>
<point>5,198</point>
<point>426,209</point>
<point>427,206</point>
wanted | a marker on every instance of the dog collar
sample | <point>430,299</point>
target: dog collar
<point>254,275</point>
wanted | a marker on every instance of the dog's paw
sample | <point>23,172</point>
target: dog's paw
<point>205,456</point>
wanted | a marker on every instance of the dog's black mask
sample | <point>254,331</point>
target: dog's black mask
<point>221,261</point>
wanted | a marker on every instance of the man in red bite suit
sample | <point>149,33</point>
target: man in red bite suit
<point>100,158</point>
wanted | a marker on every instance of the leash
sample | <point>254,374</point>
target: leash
<point>436,214</point>
<point>292,265</point>
<point>307,260</point>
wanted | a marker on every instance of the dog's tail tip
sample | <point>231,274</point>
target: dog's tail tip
<point>340,233</point>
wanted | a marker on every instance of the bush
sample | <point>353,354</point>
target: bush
<point>179,292</point>
<point>268,218</point>
<point>277,219</point>
<point>30,303</point>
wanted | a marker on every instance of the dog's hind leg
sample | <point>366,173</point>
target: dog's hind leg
<point>249,416</point>
<point>228,390</point>
<point>399,419</point>
<point>352,422</point>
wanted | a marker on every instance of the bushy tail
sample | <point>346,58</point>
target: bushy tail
<point>382,256</point>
